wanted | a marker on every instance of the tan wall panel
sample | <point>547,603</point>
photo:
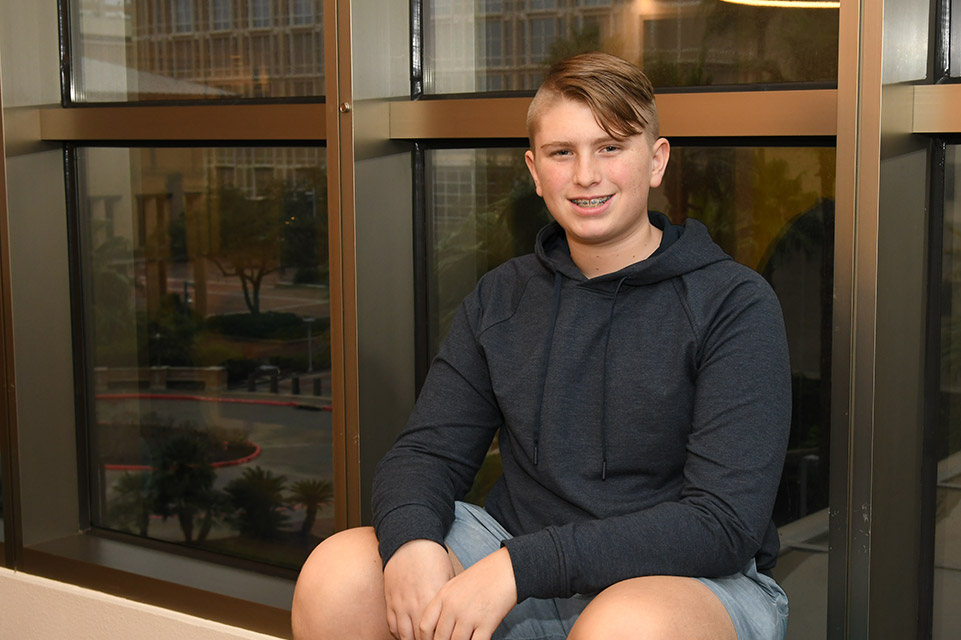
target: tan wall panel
<point>216,122</point>
<point>936,108</point>
<point>747,113</point>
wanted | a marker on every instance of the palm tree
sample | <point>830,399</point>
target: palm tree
<point>258,497</point>
<point>130,506</point>
<point>182,481</point>
<point>311,494</point>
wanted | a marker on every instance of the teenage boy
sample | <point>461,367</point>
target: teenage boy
<point>637,380</point>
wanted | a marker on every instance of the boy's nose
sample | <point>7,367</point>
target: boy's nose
<point>586,172</point>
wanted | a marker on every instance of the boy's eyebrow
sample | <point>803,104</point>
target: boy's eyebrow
<point>593,143</point>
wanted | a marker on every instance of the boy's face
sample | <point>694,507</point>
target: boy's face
<point>595,186</point>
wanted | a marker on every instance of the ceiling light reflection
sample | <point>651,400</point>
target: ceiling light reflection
<point>790,4</point>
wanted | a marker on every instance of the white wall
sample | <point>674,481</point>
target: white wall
<point>33,608</point>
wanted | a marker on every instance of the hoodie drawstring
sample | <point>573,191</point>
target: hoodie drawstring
<point>555,307</point>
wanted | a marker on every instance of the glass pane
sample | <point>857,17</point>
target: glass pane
<point>947,549</point>
<point>134,50</point>
<point>507,46</point>
<point>771,208</point>
<point>207,335</point>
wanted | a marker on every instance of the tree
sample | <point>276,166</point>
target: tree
<point>250,240</point>
<point>581,40</point>
<point>172,333</point>
<point>130,507</point>
<point>311,494</point>
<point>305,229</point>
<point>116,328</point>
<point>258,497</point>
<point>181,483</point>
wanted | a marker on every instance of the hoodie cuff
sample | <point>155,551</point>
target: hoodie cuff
<point>403,524</point>
<point>539,567</point>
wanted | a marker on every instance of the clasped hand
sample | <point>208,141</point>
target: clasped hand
<point>426,601</point>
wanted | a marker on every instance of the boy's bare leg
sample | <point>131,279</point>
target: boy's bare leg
<point>655,608</point>
<point>340,591</point>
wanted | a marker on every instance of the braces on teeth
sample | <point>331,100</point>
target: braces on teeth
<point>593,202</point>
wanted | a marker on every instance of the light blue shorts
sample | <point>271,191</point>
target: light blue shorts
<point>757,605</point>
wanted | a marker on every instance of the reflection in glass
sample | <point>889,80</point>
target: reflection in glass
<point>207,338</point>
<point>507,46</point>
<point>137,50</point>
<point>770,208</point>
<point>221,15</point>
<point>947,550</point>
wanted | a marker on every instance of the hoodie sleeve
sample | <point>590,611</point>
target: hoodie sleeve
<point>735,453</point>
<point>434,460</point>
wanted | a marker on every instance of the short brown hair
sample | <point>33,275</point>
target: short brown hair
<point>618,93</point>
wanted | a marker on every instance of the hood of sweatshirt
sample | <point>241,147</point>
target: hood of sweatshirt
<point>683,249</point>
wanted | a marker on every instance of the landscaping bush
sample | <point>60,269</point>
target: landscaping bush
<point>269,325</point>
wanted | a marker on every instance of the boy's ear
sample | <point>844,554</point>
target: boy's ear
<point>660,154</point>
<point>529,159</point>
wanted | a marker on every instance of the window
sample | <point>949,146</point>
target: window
<point>947,550</point>
<point>301,12</point>
<point>682,44</point>
<point>208,348</point>
<point>541,33</point>
<point>493,44</point>
<point>539,5</point>
<point>221,15</point>
<point>302,47</point>
<point>493,6</point>
<point>221,56</point>
<point>183,58</point>
<point>183,16</point>
<point>770,208</point>
<point>137,56</point>
<point>145,24</point>
<point>259,13</point>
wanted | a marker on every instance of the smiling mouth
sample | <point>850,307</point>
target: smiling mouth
<point>590,202</point>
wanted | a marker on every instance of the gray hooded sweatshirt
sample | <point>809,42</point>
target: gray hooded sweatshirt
<point>642,418</point>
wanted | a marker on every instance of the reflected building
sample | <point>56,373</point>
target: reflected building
<point>498,45</point>
<point>199,49</point>
<point>203,50</point>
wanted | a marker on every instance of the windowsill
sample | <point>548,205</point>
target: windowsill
<point>230,595</point>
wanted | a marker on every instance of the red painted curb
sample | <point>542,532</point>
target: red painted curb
<point>164,396</point>
<point>215,465</point>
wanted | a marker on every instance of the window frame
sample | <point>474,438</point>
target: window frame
<point>217,21</point>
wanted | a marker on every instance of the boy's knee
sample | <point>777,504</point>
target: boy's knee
<point>619,620</point>
<point>654,608</point>
<point>342,573</point>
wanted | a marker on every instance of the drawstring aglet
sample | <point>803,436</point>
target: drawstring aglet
<point>536,454</point>
<point>604,470</point>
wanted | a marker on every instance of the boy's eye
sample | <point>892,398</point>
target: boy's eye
<point>611,148</point>
<point>561,152</point>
